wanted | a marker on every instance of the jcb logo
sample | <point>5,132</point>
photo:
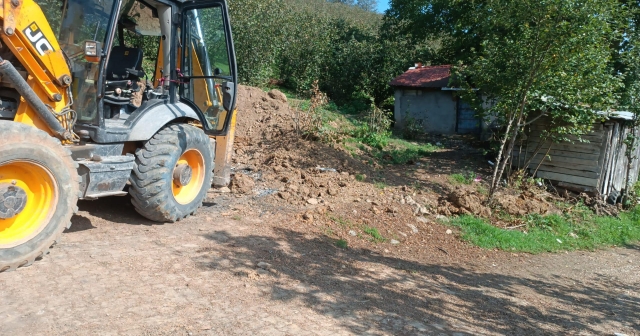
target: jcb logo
<point>37,39</point>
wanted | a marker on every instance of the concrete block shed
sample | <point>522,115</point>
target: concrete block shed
<point>598,167</point>
<point>423,94</point>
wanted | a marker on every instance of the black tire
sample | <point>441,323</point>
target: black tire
<point>23,143</point>
<point>152,178</point>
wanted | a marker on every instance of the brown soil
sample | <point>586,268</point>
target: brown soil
<point>264,259</point>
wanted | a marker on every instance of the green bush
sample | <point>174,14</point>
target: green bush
<point>295,42</point>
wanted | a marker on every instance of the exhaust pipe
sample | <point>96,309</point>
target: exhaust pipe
<point>7,69</point>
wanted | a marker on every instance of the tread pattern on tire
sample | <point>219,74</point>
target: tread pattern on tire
<point>20,134</point>
<point>151,179</point>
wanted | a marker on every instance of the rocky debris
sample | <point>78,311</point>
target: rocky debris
<point>449,231</point>
<point>307,216</point>
<point>242,184</point>
<point>420,210</point>
<point>352,233</point>
<point>278,95</point>
<point>413,228</point>
<point>442,218</point>
<point>222,190</point>
<point>599,206</point>
<point>423,220</point>
<point>332,191</point>
<point>263,265</point>
<point>394,242</point>
<point>284,195</point>
<point>312,201</point>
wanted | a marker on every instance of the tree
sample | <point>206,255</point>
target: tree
<point>454,24</point>
<point>345,2</point>
<point>530,58</point>
<point>542,58</point>
<point>626,54</point>
<point>368,5</point>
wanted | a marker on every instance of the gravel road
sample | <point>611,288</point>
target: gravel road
<point>212,274</point>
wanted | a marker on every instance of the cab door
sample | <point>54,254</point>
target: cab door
<point>207,73</point>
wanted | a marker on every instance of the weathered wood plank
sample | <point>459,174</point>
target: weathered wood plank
<point>566,171</point>
<point>565,154</point>
<point>589,182</point>
<point>576,187</point>
<point>552,159</point>
<point>570,166</point>
<point>579,148</point>
<point>545,126</point>
<point>597,137</point>
<point>574,141</point>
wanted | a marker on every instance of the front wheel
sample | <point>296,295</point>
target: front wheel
<point>38,193</point>
<point>173,173</point>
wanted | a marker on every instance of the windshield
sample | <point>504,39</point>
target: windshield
<point>83,20</point>
<point>80,21</point>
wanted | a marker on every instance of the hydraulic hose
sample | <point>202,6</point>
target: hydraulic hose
<point>7,69</point>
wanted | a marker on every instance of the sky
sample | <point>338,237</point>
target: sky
<point>383,5</point>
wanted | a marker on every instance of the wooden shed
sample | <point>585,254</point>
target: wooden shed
<point>597,167</point>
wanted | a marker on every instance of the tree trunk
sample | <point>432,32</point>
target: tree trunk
<point>498,162</point>
<point>513,129</point>
<point>509,150</point>
<point>631,146</point>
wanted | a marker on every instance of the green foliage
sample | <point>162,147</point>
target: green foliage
<point>295,42</point>
<point>554,232</point>
<point>517,60</point>
<point>401,151</point>
<point>360,177</point>
<point>459,178</point>
<point>374,128</point>
<point>374,233</point>
<point>380,185</point>
<point>341,243</point>
<point>413,128</point>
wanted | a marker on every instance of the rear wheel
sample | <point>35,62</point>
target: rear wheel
<point>38,193</point>
<point>173,173</point>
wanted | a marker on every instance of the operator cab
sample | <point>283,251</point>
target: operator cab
<point>130,56</point>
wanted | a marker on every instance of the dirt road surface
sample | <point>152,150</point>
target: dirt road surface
<point>117,274</point>
<point>265,259</point>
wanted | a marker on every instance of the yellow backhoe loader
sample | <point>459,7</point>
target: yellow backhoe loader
<point>84,116</point>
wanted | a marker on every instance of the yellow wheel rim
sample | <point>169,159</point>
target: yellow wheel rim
<point>41,198</point>
<point>191,163</point>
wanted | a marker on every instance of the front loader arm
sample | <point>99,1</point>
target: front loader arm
<point>27,33</point>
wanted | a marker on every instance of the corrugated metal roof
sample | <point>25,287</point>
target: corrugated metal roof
<point>624,115</point>
<point>424,77</point>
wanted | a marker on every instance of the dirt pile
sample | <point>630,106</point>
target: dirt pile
<point>463,201</point>
<point>260,117</point>
<point>242,184</point>
<point>468,201</point>
<point>526,203</point>
<point>273,164</point>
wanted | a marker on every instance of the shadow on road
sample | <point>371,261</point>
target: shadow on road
<point>368,292</point>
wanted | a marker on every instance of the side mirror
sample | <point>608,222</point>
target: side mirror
<point>92,51</point>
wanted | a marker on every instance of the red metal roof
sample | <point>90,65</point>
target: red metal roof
<point>424,77</point>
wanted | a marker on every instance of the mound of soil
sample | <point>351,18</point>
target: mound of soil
<point>464,201</point>
<point>319,187</point>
